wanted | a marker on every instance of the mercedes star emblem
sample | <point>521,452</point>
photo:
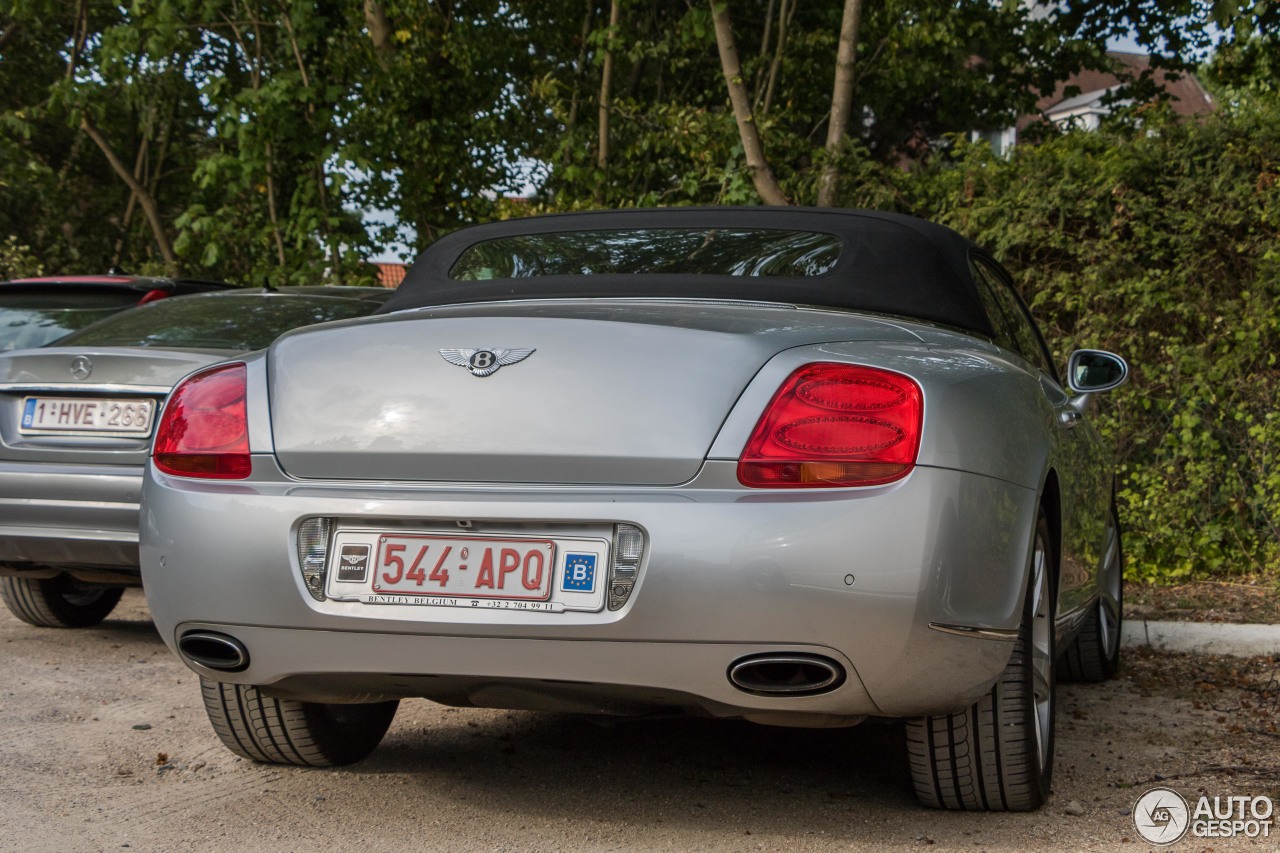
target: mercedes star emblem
<point>81,367</point>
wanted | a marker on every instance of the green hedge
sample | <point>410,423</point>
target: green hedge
<point>1163,245</point>
<point>1160,241</point>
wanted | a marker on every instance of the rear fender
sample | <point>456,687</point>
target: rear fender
<point>983,414</point>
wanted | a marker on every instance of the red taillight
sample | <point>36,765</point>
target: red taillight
<point>204,432</point>
<point>152,296</point>
<point>835,425</point>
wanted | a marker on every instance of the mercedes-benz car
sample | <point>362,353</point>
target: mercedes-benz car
<point>76,421</point>
<point>38,311</point>
<point>800,467</point>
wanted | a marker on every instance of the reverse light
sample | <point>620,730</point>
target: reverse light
<point>204,432</point>
<point>313,554</point>
<point>628,550</point>
<point>835,425</point>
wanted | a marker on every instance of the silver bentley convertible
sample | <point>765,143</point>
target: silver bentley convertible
<point>801,467</point>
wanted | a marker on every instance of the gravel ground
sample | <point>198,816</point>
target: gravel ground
<point>105,746</point>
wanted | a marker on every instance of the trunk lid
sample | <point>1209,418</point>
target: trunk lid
<point>73,379</point>
<point>611,392</point>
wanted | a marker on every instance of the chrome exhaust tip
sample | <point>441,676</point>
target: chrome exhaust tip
<point>783,674</point>
<point>212,650</point>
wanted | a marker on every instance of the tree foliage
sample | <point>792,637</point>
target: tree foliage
<point>920,71</point>
<point>243,139</point>
<point>246,138</point>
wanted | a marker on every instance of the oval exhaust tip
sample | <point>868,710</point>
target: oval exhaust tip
<point>784,674</point>
<point>214,651</point>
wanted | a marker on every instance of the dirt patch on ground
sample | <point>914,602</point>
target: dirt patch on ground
<point>104,744</point>
<point>1252,600</point>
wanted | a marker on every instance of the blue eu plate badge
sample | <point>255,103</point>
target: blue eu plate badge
<point>579,572</point>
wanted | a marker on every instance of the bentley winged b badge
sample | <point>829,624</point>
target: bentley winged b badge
<point>483,362</point>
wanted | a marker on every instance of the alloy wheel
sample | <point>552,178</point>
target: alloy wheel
<point>1042,648</point>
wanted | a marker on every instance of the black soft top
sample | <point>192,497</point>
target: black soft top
<point>889,264</point>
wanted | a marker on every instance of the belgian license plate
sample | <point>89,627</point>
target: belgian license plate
<point>543,572</point>
<point>87,415</point>
<point>460,567</point>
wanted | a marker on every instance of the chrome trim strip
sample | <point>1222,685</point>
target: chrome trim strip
<point>114,388</point>
<point>1007,635</point>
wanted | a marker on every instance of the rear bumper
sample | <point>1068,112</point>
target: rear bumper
<point>70,515</point>
<point>580,676</point>
<point>856,576</point>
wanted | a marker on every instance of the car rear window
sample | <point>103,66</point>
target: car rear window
<point>233,321</point>
<point>33,317</point>
<point>651,251</point>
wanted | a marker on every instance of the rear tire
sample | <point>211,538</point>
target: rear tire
<point>1094,654</point>
<point>286,731</point>
<point>58,602</point>
<point>997,755</point>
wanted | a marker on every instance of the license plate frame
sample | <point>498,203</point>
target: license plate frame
<point>107,417</point>
<point>573,572</point>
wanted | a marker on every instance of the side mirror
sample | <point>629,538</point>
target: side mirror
<point>1090,371</point>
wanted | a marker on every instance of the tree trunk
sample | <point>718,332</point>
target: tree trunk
<point>841,99</point>
<point>761,175</point>
<point>145,198</point>
<point>375,18</point>
<point>132,205</point>
<point>765,41</point>
<point>579,71</point>
<point>606,85</point>
<point>78,37</point>
<point>281,258</point>
<point>328,238</point>
<point>256,77</point>
<point>11,29</point>
<point>785,12</point>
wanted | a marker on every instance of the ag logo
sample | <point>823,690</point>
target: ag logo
<point>484,362</point>
<point>1161,816</point>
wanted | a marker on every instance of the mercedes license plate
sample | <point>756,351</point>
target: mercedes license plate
<point>87,415</point>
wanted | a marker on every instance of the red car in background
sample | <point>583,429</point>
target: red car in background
<point>38,311</point>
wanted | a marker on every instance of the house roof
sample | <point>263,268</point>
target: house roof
<point>390,275</point>
<point>1088,99</point>
<point>1186,96</point>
